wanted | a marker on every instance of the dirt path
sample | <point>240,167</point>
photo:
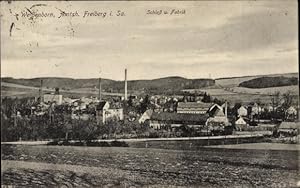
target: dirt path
<point>27,143</point>
<point>254,135</point>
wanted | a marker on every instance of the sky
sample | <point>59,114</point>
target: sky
<point>212,39</point>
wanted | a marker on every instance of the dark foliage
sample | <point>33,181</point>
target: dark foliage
<point>206,98</point>
<point>265,82</point>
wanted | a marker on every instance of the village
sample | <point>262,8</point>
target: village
<point>131,116</point>
<point>162,94</point>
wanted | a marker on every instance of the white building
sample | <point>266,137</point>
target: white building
<point>256,109</point>
<point>242,111</point>
<point>291,113</point>
<point>217,116</point>
<point>57,98</point>
<point>240,121</point>
<point>105,112</point>
<point>240,124</point>
<point>146,116</point>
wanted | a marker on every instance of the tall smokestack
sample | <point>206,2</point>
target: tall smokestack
<point>125,96</point>
<point>99,94</point>
<point>41,91</point>
<point>226,109</point>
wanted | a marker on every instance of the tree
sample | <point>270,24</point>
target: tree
<point>206,98</point>
<point>217,101</point>
<point>288,100</point>
<point>114,127</point>
<point>130,101</point>
<point>145,104</point>
<point>85,130</point>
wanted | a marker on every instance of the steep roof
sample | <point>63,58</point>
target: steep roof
<point>180,117</point>
<point>216,110</point>
<point>148,112</point>
<point>101,105</point>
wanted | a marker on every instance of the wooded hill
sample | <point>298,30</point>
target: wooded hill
<point>266,82</point>
<point>161,84</point>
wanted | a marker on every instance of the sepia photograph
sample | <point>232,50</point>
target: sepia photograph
<point>150,94</point>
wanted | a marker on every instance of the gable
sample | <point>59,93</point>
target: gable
<point>219,113</point>
<point>216,110</point>
<point>103,105</point>
<point>240,121</point>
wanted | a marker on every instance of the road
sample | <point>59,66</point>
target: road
<point>147,139</point>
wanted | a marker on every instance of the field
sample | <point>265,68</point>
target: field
<point>31,166</point>
<point>246,95</point>
<point>267,91</point>
<point>227,89</point>
<point>17,90</point>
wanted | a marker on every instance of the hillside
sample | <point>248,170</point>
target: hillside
<point>228,89</point>
<point>156,85</point>
<point>64,83</point>
<point>235,81</point>
<point>267,82</point>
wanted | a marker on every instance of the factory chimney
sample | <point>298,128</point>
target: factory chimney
<point>226,109</point>
<point>99,94</point>
<point>41,92</point>
<point>125,96</point>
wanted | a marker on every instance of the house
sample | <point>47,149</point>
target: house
<point>217,119</point>
<point>82,116</point>
<point>67,100</point>
<point>289,128</point>
<point>256,109</point>
<point>269,108</point>
<point>215,110</point>
<point>146,116</point>
<point>79,104</point>
<point>106,112</point>
<point>113,114</point>
<point>159,120</point>
<point>240,124</point>
<point>87,100</point>
<point>193,107</point>
<point>242,111</point>
<point>50,98</point>
<point>291,113</point>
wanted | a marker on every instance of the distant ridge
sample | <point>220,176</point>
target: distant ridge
<point>262,75</point>
<point>158,85</point>
<point>174,83</point>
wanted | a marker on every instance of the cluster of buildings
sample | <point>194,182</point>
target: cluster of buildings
<point>162,112</point>
<point>197,115</point>
<point>246,114</point>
